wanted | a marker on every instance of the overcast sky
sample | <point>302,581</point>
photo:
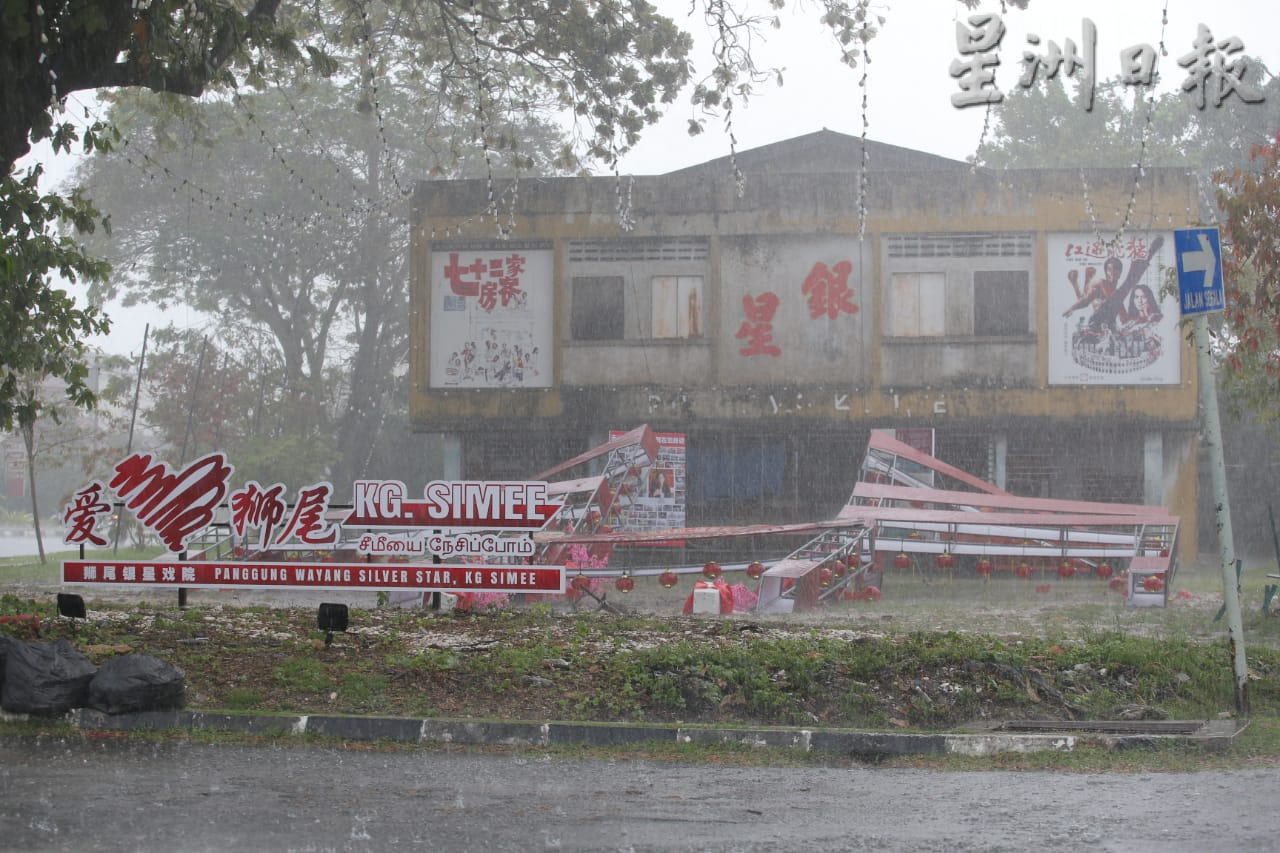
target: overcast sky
<point>909,87</point>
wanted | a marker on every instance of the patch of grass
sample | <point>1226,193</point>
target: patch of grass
<point>360,691</point>
<point>305,674</point>
<point>243,699</point>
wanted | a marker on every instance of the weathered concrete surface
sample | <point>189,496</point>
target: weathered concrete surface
<point>1209,734</point>
<point>94,794</point>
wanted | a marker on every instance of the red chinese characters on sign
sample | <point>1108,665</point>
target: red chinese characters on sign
<point>82,514</point>
<point>307,522</point>
<point>828,290</point>
<point>757,329</point>
<point>174,506</point>
<point>256,508</point>
<point>492,281</point>
<point>1134,247</point>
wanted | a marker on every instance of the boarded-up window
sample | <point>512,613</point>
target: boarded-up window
<point>677,306</point>
<point>597,313</point>
<point>1001,300</point>
<point>917,304</point>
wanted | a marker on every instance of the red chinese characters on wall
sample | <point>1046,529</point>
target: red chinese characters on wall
<point>827,294</point>
<point>757,329</point>
<point>828,290</point>
<point>490,281</point>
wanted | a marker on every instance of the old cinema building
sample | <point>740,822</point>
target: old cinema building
<point>776,326</point>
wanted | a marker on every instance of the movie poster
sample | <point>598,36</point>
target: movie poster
<point>1108,324</point>
<point>491,318</point>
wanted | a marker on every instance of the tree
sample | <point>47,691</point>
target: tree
<point>611,64</point>
<point>42,329</point>
<point>56,436</point>
<point>1249,340</point>
<point>1044,126</point>
<point>304,274</point>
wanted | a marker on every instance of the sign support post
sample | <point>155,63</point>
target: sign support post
<point>1200,291</point>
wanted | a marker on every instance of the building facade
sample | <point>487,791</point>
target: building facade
<point>775,318</point>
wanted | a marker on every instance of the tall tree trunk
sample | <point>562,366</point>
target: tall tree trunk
<point>28,431</point>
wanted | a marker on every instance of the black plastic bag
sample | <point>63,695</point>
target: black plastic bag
<point>137,682</point>
<point>6,642</point>
<point>45,679</point>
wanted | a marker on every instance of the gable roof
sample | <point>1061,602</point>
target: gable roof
<point>826,151</point>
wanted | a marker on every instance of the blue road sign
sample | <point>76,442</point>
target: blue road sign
<point>1199,257</point>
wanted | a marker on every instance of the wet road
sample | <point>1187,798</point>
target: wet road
<point>77,795</point>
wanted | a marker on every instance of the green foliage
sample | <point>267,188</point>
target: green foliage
<point>41,326</point>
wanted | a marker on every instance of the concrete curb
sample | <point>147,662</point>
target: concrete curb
<point>1214,734</point>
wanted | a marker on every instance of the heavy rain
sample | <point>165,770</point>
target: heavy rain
<point>484,426</point>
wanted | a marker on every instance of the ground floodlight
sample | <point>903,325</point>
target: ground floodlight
<point>332,617</point>
<point>71,606</point>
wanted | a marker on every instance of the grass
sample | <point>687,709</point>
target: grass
<point>934,654</point>
<point>29,569</point>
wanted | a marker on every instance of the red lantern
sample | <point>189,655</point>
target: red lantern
<point>1118,584</point>
<point>711,570</point>
<point>1104,571</point>
<point>1023,570</point>
<point>984,567</point>
<point>1065,569</point>
<point>580,582</point>
<point>838,568</point>
<point>668,579</point>
<point>946,560</point>
<point>1154,583</point>
<point>902,561</point>
<point>871,593</point>
<point>755,570</point>
<point>824,576</point>
<point>625,583</point>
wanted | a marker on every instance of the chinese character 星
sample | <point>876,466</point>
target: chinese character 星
<point>757,329</point>
<point>976,74</point>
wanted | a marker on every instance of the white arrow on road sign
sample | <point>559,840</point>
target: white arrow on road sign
<point>1204,260</point>
<point>1199,259</point>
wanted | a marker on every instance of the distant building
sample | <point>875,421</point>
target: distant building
<point>977,310</point>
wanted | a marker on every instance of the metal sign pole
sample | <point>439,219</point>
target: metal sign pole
<point>1222,508</point>
<point>1201,291</point>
